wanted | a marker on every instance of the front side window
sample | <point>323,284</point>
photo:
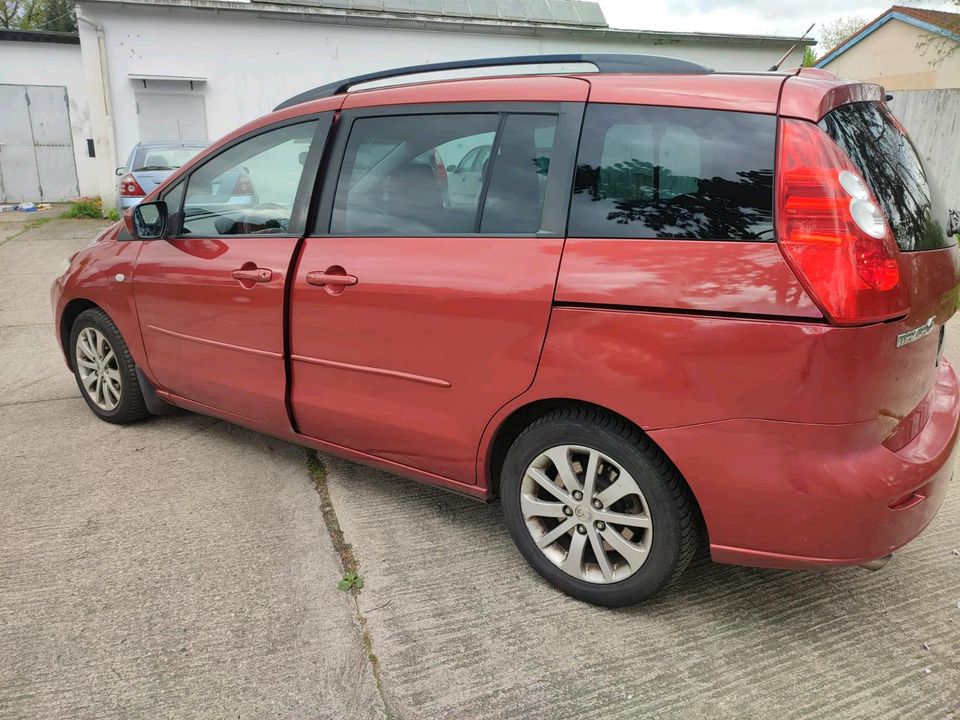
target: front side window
<point>453,174</point>
<point>654,172</point>
<point>249,189</point>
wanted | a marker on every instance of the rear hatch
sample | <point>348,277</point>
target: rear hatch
<point>918,218</point>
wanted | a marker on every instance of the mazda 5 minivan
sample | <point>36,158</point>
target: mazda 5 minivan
<point>672,308</point>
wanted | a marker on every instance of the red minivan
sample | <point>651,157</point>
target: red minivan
<point>649,308</point>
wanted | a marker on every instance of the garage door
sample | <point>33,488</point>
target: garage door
<point>36,146</point>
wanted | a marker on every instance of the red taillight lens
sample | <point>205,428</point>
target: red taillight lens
<point>832,231</point>
<point>129,187</point>
<point>243,186</point>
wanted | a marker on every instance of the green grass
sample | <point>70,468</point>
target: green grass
<point>37,222</point>
<point>85,207</point>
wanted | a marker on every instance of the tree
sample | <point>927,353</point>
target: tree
<point>19,14</point>
<point>834,33</point>
<point>55,15</point>
<point>809,57</point>
<point>59,16</point>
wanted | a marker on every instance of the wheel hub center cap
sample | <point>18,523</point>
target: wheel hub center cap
<point>583,512</point>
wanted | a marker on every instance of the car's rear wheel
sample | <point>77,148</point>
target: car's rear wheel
<point>596,508</point>
<point>105,372</point>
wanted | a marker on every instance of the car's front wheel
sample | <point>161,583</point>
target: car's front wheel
<point>596,508</point>
<point>105,372</point>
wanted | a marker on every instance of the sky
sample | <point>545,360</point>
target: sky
<point>764,17</point>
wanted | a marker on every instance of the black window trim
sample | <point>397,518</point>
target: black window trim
<point>556,203</point>
<point>308,178</point>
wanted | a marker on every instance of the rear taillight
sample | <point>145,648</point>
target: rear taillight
<point>832,231</point>
<point>243,186</point>
<point>129,187</point>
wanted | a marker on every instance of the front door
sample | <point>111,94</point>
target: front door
<point>417,312</point>
<point>210,299</point>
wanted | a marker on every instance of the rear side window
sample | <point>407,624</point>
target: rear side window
<point>444,174</point>
<point>653,172</point>
<point>890,164</point>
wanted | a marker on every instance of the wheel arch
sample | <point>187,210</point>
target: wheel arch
<point>68,317</point>
<point>518,419</point>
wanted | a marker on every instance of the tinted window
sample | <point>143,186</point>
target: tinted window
<point>518,182</point>
<point>890,164</point>
<point>652,172</point>
<point>250,188</point>
<point>414,175</point>
<point>174,196</point>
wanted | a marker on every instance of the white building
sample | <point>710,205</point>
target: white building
<point>44,119</point>
<point>196,69</point>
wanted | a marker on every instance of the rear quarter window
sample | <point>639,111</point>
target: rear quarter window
<point>891,165</point>
<point>653,172</point>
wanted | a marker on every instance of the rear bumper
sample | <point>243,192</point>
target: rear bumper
<point>777,494</point>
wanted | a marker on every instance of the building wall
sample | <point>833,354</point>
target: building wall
<point>252,64</point>
<point>900,56</point>
<point>34,63</point>
<point>932,117</point>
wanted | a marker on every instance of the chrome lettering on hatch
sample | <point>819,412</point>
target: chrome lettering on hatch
<point>915,334</point>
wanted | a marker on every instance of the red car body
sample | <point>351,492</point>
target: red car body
<point>805,442</point>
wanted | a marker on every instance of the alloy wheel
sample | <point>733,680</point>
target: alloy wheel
<point>586,514</point>
<point>98,368</point>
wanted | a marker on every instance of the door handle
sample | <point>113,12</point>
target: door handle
<point>326,278</point>
<point>253,275</point>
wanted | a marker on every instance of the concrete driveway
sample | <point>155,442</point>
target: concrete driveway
<point>187,568</point>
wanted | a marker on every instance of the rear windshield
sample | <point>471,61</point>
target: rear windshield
<point>883,153</point>
<point>654,172</point>
<point>163,158</point>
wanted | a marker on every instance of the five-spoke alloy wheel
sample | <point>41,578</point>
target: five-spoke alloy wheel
<point>596,508</point>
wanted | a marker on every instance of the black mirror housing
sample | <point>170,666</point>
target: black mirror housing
<point>121,171</point>
<point>150,220</point>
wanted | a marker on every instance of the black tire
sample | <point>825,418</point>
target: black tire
<point>673,510</point>
<point>130,407</point>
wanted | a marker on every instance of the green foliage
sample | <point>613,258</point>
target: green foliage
<point>350,580</point>
<point>51,15</point>
<point>114,214</point>
<point>809,57</point>
<point>85,207</point>
<point>37,222</point>
<point>835,33</point>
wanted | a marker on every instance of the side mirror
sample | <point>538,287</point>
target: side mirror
<point>150,220</point>
<point>121,171</point>
<point>451,168</point>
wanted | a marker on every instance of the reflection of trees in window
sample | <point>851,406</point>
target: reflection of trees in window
<point>891,166</point>
<point>639,193</point>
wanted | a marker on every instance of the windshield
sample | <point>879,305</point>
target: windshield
<point>163,158</point>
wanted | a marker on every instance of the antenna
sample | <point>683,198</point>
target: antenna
<point>778,63</point>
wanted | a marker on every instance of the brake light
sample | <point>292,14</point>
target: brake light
<point>243,186</point>
<point>832,231</point>
<point>129,187</point>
